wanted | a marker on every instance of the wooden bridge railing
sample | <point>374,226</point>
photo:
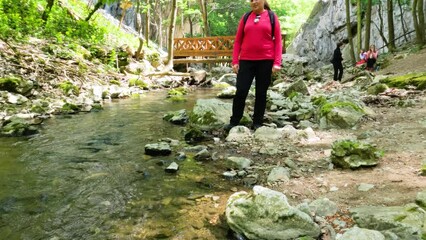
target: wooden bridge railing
<point>206,49</point>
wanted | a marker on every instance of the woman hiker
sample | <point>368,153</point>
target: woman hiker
<point>257,54</point>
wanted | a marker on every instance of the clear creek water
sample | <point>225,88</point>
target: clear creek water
<point>86,176</point>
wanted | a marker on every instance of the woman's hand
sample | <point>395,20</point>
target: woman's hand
<point>275,69</point>
<point>235,68</point>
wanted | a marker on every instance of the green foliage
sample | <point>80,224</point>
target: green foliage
<point>154,59</point>
<point>20,19</point>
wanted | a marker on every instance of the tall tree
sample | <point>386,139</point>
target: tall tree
<point>422,27</point>
<point>401,14</point>
<point>47,10</point>
<point>203,8</point>
<point>147,20</point>
<point>124,5</point>
<point>380,27</point>
<point>170,42</point>
<point>97,6</point>
<point>358,25</point>
<point>391,27</point>
<point>416,21</point>
<point>349,29</point>
<point>367,25</point>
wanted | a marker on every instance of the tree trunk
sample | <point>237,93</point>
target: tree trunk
<point>416,22</point>
<point>47,10</point>
<point>97,6</point>
<point>367,25</point>
<point>422,29</point>
<point>401,13</point>
<point>349,29</point>
<point>380,27</point>
<point>391,27</point>
<point>203,8</point>
<point>173,14</point>
<point>148,16</point>
<point>160,27</point>
<point>359,25</point>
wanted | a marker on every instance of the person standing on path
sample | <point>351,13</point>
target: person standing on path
<point>257,54</point>
<point>337,63</point>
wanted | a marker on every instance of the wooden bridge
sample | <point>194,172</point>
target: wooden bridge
<point>206,49</point>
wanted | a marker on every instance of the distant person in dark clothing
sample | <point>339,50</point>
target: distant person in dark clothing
<point>337,63</point>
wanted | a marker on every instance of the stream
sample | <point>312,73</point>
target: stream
<point>85,176</point>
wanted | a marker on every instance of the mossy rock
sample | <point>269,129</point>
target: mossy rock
<point>328,106</point>
<point>417,80</point>
<point>70,108</point>
<point>10,83</point>
<point>377,88</point>
<point>354,154</point>
<point>180,91</point>
<point>16,127</point>
<point>138,83</point>
<point>69,88</point>
<point>194,134</point>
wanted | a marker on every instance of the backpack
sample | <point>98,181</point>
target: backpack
<point>271,18</point>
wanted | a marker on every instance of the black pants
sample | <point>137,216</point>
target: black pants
<point>338,71</point>
<point>370,63</point>
<point>262,71</point>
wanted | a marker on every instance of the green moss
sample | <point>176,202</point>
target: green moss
<point>37,109</point>
<point>138,83</point>
<point>399,218</point>
<point>177,99</point>
<point>114,82</point>
<point>327,107</point>
<point>180,91</point>
<point>376,89</point>
<point>10,83</point>
<point>69,108</point>
<point>417,80</point>
<point>105,94</point>
<point>207,119</point>
<point>319,100</point>
<point>293,94</point>
<point>69,88</point>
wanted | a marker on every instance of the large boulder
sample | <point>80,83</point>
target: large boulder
<point>266,214</point>
<point>357,233</point>
<point>340,114</point>
<point>406,222</point>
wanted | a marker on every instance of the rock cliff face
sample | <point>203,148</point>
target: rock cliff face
<point>327,25</point>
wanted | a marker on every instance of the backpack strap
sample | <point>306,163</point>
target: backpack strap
<point>271,19</point>
<point>246,16</point>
